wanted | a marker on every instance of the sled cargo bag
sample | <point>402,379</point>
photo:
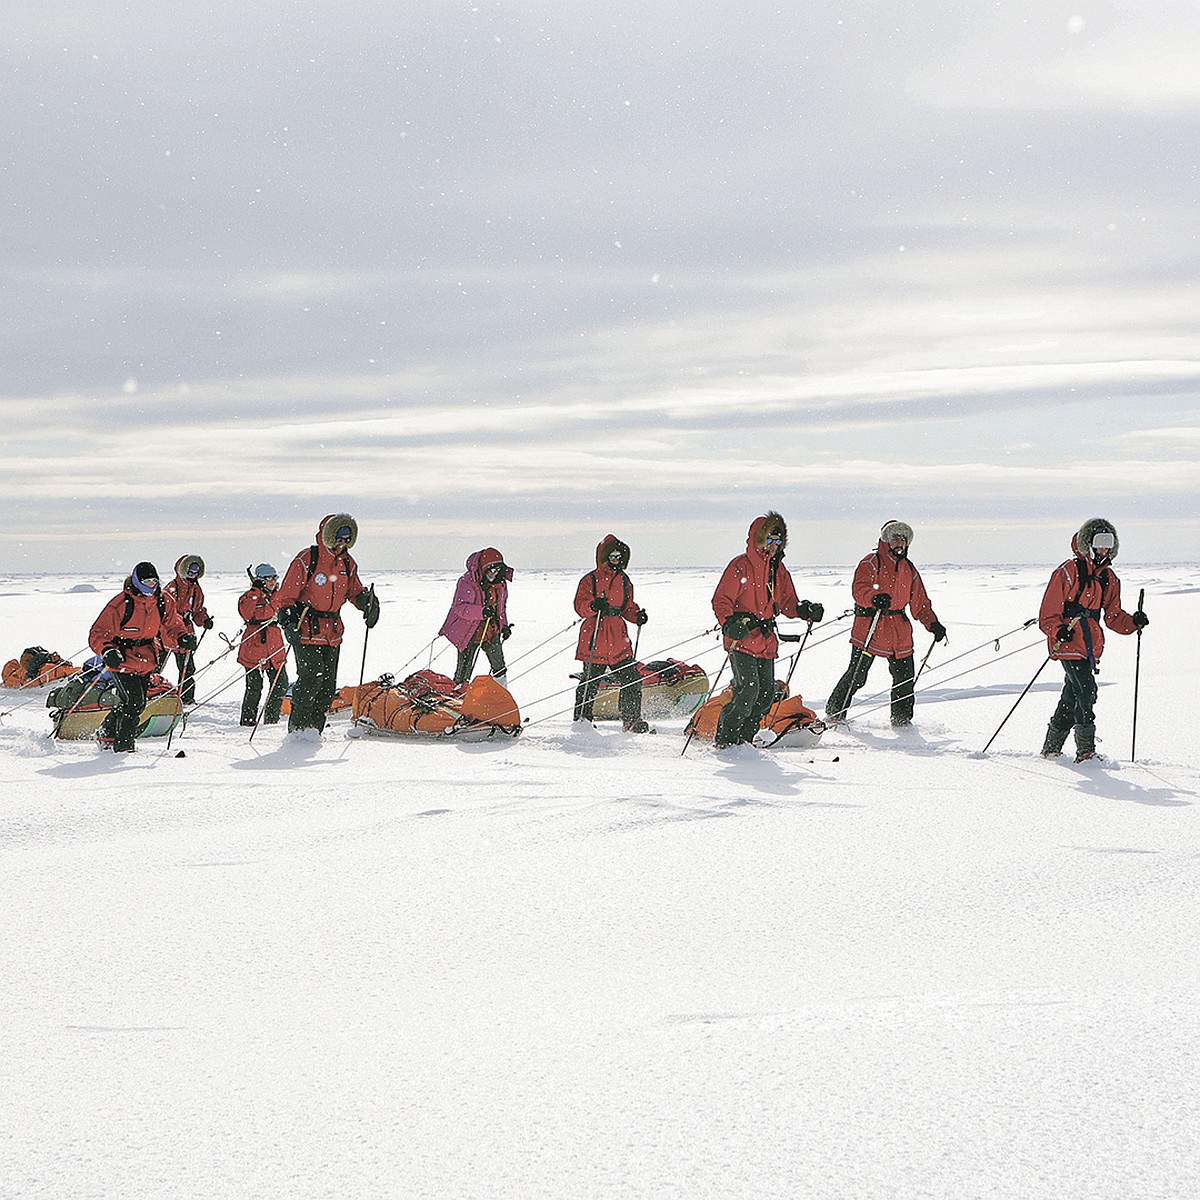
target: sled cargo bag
<point>425,707</point>
<point>670,688</point>
<point>792,722</point>
<point>81,703</point>
<point>342,702</point>
<point>36,667</point>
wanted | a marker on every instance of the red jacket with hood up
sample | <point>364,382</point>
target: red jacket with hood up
<point>612,643</point>
<point>1080,584</point>
<point>332,581</point>
<point>757,583</point>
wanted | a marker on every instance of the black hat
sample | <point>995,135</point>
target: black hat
<point>141,576</point>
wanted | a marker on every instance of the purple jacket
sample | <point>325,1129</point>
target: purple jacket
<point>465,617</point>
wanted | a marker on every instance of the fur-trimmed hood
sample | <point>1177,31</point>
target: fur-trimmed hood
<point>1081,543</point>
<point>184,565</point>
<point>894,528</point>
<point>760,527</point>
<point>608,544</point>
<point>327,530</point>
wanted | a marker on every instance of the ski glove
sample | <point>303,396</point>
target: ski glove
<point>289,617</point>
<point>603,608</point>
<point>1140,619</point>
<point>187,642</point>
<point>881,600</point>
<point>113,657</point>
<point>505,633</point>
<point>641,617</point>
<point>806,610</point>
<point>208,622</point>
<point>489,611</point>
<point>738,625</point>
<point>1064,634</point>
<point>368,603</point>
<point>938,630</point>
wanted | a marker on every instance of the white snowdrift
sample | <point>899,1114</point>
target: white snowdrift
<point>583,965</point>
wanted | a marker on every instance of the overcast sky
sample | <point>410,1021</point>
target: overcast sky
<point>524,273</point>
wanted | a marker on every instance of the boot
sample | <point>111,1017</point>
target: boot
<point>1085,743</point>
<point>1055,739</point>
<point>637,725</point>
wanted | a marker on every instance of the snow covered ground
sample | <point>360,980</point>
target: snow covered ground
<point>583,965</point>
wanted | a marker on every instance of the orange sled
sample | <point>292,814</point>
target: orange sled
<point>427,707</point>
<point>36,667</point>
<point>789,723</point>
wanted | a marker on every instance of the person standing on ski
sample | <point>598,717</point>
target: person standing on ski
<point>754,589</point>
<point>262,650</point>
<point>604,598</point>
<point>319,581</point>
<point>132,633</point>
<point>885,584</point>
<point>1081,591</point>
<point>478,616</point>
<point>186,592</point>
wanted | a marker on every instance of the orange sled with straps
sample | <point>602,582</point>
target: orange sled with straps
<point>427,707</point>
<point>36,667</point>
<point>789,723</point>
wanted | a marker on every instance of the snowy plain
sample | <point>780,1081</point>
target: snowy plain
<point>583,964</point>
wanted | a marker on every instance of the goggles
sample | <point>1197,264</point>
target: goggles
<point>1103,541</point>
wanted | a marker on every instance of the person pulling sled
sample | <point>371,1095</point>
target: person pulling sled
<point>262,650</point>
<point>604,598</point>
<point>754,589</point>
<point>1081,591</point>
<point>478,616</point>
<point>885,584</point>
<point>320,580</point>
<point>188,596</point>
<point>131,634</point>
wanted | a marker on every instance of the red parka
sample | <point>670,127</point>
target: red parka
<point>882,571</point>
<point>141,626</point>
<point>757,583</point>
<point>262,643</point>
<point>321,578</point>
<point>612,643</point>
<point>1079,587</point>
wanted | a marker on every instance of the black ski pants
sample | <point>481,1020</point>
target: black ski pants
<point>1077,704</point>
<point>275,694</point>
<point>466,660</point>
<point>753,694</point>
<point>625,676</point>
<point>121,724</point>
<point>316,685</point>
<point>856,675</point>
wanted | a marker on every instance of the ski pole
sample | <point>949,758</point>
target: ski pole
<point>282,667</point>
<point>362,670</point>
<point>1136,674</point>
<point>866,650</point>
<point>584,684</point>
<point>483,629</point>
<point>1073,622</point>
<point>783,637</point>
